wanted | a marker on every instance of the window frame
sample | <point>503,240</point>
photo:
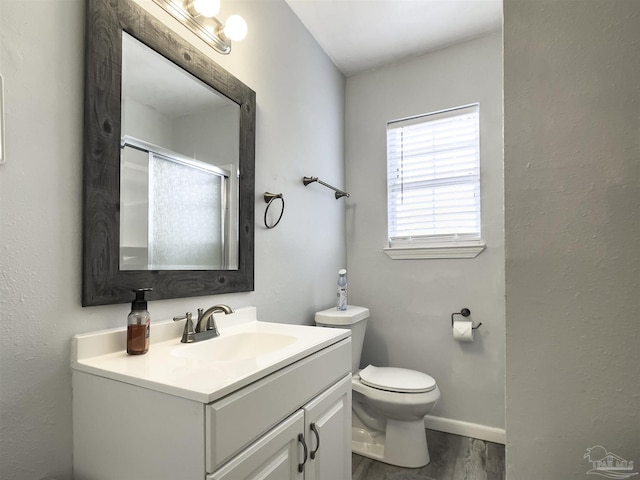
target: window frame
<point>457,245</point>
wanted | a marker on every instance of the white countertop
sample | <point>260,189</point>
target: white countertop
<point>166,370</point>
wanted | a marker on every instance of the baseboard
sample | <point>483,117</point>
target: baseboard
<point>473,430</point>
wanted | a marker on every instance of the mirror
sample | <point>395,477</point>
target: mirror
<point>168,186</point>
<point>178,167</point>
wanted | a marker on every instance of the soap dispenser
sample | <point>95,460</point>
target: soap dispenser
<point>138,324</point>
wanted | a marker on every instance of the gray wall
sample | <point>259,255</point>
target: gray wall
<point>572,176</point>
<point>300,101</point>
<point>411,301</point>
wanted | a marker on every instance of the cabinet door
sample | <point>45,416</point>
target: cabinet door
<point>275,456</point>
<point>328,433</point>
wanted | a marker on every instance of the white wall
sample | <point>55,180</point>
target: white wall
<point>147,124</point>
<point>300,101</point>
<point>411,301</point>
<point>212,137</point>
<point>572,182</point>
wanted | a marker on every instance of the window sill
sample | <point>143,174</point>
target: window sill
<point>464,250</point>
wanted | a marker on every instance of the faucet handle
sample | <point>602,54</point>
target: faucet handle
<point>188,334</point>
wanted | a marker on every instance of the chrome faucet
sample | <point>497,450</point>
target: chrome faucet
<point>205,327</point>
<point>205,318</point>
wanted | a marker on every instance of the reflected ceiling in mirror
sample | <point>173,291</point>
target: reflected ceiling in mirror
<point>178,166</point>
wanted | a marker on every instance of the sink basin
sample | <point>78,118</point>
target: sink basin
<point>231,348</point>
<point>246,351</point>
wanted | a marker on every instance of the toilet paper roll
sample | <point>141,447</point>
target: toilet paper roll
<point>463,331</point>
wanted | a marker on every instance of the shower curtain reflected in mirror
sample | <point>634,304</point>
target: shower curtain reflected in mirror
<point>174,213</point>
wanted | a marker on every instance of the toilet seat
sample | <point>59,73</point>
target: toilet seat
<point>394,379</point>
<point>396,405</point>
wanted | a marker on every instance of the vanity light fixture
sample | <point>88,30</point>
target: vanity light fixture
<point>199,16</point>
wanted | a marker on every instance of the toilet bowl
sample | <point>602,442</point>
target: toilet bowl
<point>389,404</point>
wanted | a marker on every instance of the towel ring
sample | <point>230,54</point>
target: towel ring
<point>269,198</point>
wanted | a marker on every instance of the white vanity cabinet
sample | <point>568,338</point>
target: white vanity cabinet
<point>322,452</point>
<point>132,431</point>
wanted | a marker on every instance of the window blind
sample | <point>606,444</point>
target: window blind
<point>433,177</point>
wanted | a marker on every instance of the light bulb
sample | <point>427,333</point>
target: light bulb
<point>235,28</point>
<point>207,8</point>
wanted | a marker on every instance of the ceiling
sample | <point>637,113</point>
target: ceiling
<point>360,35</point>
<point>173,91</point>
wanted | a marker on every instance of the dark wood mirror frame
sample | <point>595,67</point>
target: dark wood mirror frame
<point>103,282</point>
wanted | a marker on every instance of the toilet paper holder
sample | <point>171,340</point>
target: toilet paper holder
<point>465,312</point>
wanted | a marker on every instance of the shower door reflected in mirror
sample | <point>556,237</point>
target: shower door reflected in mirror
<point>179,168</point>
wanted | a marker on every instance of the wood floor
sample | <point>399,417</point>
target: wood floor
<point>452,458</point>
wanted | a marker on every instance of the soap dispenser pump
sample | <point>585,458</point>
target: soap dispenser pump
<point>138,324</point>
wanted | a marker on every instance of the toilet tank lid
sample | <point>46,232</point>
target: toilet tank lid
<point>397,379</point>
<point>333,316</point>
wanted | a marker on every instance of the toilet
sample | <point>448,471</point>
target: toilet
<point>389,404</point>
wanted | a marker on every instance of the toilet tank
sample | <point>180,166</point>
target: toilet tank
<point>353,318</point>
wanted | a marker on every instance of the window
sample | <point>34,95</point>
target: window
<point>433,179</point>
